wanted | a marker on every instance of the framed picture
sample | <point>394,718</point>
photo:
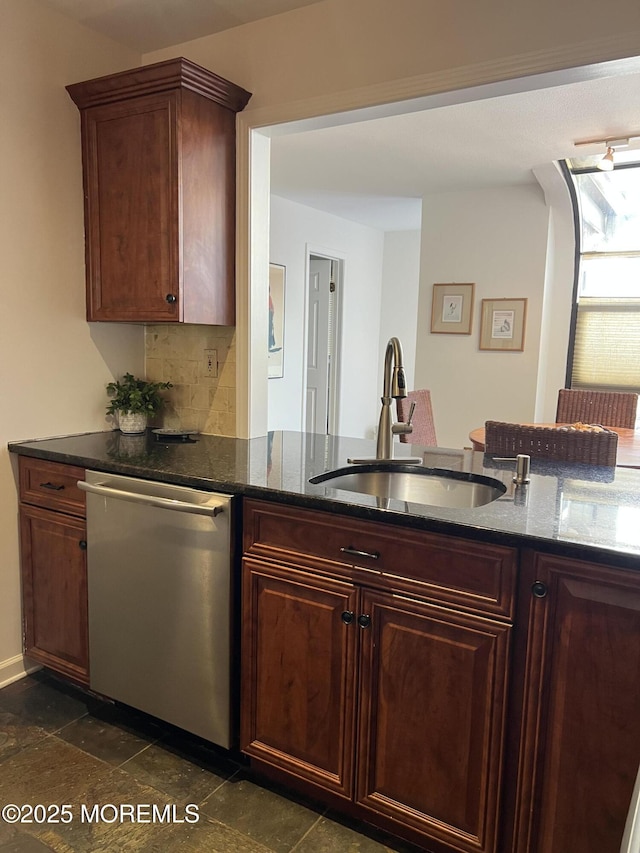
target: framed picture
<point>452,309</point>
<point>503,323</point>
<point>276,321</point>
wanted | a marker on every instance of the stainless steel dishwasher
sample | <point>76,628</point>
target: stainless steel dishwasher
<point>159,584</point>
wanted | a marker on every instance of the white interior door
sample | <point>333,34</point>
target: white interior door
<point>318,346</point>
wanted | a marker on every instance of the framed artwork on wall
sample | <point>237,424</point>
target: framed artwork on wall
<point>452,309</point>
<point>276,321</point>
<point>503,324</point>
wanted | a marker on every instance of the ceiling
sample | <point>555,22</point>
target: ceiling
<point>147,25</point>
<point>377,171</point>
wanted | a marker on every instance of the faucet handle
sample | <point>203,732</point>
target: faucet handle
<point>411,411</point>
<point>404,427</point>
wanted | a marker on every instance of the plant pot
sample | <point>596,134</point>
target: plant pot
<point>132,423</point>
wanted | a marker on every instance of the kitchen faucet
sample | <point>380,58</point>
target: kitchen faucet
<point>394,386</point>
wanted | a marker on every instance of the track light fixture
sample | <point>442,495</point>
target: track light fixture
<point>606,164</point>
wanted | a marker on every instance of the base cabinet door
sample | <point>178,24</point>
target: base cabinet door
<point>54,590</point>
<point>298,674</point>
<point>432,711</point>
<point>581,725</point>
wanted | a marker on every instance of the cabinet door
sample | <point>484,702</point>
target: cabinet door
<point>582,707</point>
<point>298,673</point>
<point>54,590</point>
<point>432,696</point>
<point>131,198</point>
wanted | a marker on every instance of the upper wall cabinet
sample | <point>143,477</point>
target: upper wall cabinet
<point>158,153</point>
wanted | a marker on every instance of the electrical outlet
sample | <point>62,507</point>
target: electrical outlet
<point>211,364</point>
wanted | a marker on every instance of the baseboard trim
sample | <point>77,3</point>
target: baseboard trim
<point>13,669</point>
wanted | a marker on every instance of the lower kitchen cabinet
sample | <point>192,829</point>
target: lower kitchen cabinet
<point>431,719</point>
<point>580,727</point>
<point>392,702</point>
<point>299,674</point>
<point>54,570</point>
<point>392,670</point>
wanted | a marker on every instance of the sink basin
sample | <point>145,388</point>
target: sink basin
<point>415,484</point>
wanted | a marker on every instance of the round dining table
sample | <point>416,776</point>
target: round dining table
<point>628,455</point>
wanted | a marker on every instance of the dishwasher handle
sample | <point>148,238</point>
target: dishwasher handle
<point>150,500</point>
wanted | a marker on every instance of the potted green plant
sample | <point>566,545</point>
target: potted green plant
<point>133,401</point>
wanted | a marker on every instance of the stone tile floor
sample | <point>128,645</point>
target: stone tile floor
<point>59,745</point>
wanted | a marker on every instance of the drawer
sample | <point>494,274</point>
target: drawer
<point>287,534</point>
<point>473,575</point>
<point>52,485</point>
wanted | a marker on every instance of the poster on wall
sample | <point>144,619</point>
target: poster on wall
<point>452,309</point>
<point>276,321</point>
<point>503,324</point>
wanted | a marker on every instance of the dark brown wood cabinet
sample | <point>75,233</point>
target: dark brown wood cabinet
<point>353,683</point>
<point>54,570</point>
<point>432,715</point>
<point>158,150</point>
<point>299,690</point>
<point>580,727</point>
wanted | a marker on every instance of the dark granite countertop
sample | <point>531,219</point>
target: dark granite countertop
<point>586,511</point>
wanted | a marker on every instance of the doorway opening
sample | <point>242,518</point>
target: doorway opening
<point>322,371</point>
<point>256,127</point>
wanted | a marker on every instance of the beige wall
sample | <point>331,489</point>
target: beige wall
<point>53,365</point>
<point>343,45</point>
<point>497,239</point>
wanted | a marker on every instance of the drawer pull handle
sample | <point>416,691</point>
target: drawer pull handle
<point>347,617</point>
<point>82,544</point>
<point>51,486</point>
<point>171,299</point>
<point>364,620</point>
<point>353,552</point>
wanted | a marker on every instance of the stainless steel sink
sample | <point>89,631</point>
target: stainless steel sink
<point>415,484</point>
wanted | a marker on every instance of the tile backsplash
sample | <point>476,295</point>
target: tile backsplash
<point>199,399</point>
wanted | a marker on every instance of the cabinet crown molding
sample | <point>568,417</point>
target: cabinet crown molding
<point>179,73</point>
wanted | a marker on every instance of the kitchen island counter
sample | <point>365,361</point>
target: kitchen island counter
<point>588,511</point>
<point>372,631</point>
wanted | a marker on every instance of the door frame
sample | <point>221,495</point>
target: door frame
<point>333,418</point>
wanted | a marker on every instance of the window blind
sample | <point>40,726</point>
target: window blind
<point>606,353</point>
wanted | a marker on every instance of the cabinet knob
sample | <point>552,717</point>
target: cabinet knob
<point>539,589</point>
<point>82,544</point>
<point>171,299</point>
<point>364,620</point>
<point>347,617</point>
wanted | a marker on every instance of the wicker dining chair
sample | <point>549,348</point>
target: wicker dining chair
<point>609,408</point>
<point>424,429</point>
<point>562,445</point>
